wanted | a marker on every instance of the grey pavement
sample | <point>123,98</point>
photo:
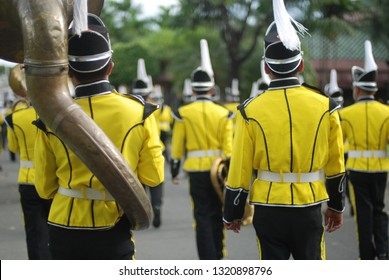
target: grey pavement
<point>174,240</point>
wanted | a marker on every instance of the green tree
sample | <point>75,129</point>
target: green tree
<point>123,20</point>
<point>376,20</point>
<point>239,24</point>
<point>331,18</point>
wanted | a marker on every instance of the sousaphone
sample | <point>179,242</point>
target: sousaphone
<point>34,33</point>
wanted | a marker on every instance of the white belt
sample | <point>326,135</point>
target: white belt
<point>289,177</point>
<point>86,193</point>
<point>26,164</point>
<point>164,124</point>
<point>203,153</point>
<point>367,154</point>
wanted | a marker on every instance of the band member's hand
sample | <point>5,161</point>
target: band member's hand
<point>176,181</point>
<point>332,220</point>
<point>234,225</point>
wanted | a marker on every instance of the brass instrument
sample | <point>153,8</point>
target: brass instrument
<point>18,104</point>
<point>34,32</point>
<point>219,172</point>
<point>17,82</point>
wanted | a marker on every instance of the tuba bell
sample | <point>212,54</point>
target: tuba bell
<point>34,32</point>
<point>17,82</point>
<point>219,173</point>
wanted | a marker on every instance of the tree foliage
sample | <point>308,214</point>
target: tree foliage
<point>170,42</point>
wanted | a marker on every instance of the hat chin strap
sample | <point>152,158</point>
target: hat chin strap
<point>284,61</point>
<point>283,72</point>
<point>369,86</point>
<point>89,58</point>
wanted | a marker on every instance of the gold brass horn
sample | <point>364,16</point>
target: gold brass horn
<point>18,104</point>
<point>17,80</point>
<point>35,32</point>
<point>219,172</point>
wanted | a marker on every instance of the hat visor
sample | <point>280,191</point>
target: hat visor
<point>89,66</point>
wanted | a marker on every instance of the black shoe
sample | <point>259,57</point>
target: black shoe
<point>382,257</point>
<point>157,218</point>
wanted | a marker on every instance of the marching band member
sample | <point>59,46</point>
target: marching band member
<point>288,134</point>
<point>204,130</point>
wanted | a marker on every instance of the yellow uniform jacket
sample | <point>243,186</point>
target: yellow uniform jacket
<point>365,126</point>
<point>202,130</point>
<point>128,123</point>
<point>21,136</point>
<point>165,118</point>
<point>233,107</point>
<point>289,135</point>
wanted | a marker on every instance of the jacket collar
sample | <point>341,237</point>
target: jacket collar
<point>365,98</point>
<point>284,83</point>
<point>203,98</point>
<point>92,89</point>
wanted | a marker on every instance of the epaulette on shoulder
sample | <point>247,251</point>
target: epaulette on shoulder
<point>149,109</point>
<point>39,124</point>
<point>9,122</point>
<point>176,115</point>
<point>231,115</point>
<point>137,98</point>
<point>313,88</point>
<point>243,105</point>
<point>333,105</point>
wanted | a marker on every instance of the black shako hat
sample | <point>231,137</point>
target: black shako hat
<point>277,57</point>
<point>332,89</point>
<point>202,79</point>
<point>365,78</point>
<point>283,52</point>
<point>143,84</point>
<point>91,50</point>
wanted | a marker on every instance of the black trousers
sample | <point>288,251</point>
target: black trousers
<point>156,195</point>
<point>283,232</point>
<point>35,214</point>
<point>372,221</point>
<point>208,213</point>
<point>75,244</point>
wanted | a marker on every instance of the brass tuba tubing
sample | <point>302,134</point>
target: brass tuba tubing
<point>44,31</point>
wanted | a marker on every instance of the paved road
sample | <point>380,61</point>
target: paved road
<point>174,240</point>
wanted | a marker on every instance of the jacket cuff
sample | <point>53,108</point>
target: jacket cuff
<point>336,192</point>
<point>234,204</point>
<point>174,167</point>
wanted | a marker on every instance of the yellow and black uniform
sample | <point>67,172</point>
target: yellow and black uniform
<point>81,205</point>
<point>289,134</point>
<point>204,130</point>
<point>365,126</point>
<point>21,139</point>
<point>233,107</point>
<point>165,119</point>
